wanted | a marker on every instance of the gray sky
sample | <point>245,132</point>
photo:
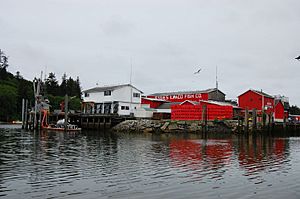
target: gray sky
<point>253,43</point>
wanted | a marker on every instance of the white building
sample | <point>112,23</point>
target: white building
<point>120,99</point>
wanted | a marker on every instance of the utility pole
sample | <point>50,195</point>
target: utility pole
<point>66,112</point>
<point>217,85</point>
<point>130,82</point>
<point>263,107</point>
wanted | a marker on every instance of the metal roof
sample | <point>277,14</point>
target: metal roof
<point>186,92</point>
<point>154,99</point>
<point>217,103</point>
<point>111,88</point>
<point>259,93</point>
<point>262,93</point>
<point>168,105</point>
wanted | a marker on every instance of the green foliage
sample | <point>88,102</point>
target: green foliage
<point>68,86</point>
<point>294,110</point>
<point>8,103</point>
<point>55,102</point>
<point>75,104</point>
<point>51,85</point>
<point>14,88</point>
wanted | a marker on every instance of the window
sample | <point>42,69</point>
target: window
<point>107,93</point>
<point>136,95</point>
<point>124,107</point>
<point>86,94</point>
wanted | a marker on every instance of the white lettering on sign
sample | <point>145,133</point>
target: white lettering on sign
<point>199,96</point>
<point>180,97</point>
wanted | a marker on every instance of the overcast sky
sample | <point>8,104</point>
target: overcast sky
<point>253,43</point>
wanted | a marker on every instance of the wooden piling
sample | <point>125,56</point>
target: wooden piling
<point>23,113</point>
<point>246,128</point>
<point>26,114</point>
<point>204,118</point>
<point>254,120</point>
<point>66,112</point>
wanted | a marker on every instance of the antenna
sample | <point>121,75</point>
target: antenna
<point>131,85</point>
<point>45,73</point>
<point>130,70</point>
<point>217,85</point>
<point>217,77</point>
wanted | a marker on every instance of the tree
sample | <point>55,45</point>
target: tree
<point>78,88</point>
<point>3,66</point>
<point>63,85</point>
<point>75,104</point>
<point>294,110</point>
<point>51,84</point>
<point>8,103</point>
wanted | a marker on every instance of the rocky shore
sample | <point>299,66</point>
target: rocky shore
<point>167,126</point>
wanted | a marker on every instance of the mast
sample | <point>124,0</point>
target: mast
<point>130,82</point>
<point>217,85</point>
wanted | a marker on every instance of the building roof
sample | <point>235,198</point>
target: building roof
<point>217,103</point>
<point>259,93</point>
<point>111,88</point>
<point>168,105</point>
<point>189,101</point>
<point>186,92</point>
<point>154,99</point>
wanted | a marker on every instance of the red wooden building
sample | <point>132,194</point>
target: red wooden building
<point>279,113</point>
<point>253,99</point>
<point>189,110</point>
<point>152,102</point>
<point>274,108</point>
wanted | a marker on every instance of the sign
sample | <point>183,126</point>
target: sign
<point>183,97</point>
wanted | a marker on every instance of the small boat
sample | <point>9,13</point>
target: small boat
<point>59,126</point>
<point>70,127</point>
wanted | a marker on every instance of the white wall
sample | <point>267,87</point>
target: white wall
<point>122,94</point>
<point>142,113</point>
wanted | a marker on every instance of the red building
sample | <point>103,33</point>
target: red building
<point>189,110</point>
<point>279,113</point>
<point>152,102</point>
<point>253,99</point>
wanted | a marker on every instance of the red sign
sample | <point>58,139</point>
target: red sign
<point>182,97</point>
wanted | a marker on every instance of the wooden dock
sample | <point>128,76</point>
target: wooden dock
<point>101,121</point>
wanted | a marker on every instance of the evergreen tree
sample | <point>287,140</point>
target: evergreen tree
<point>51,84</point>
<point>8,102</point>
<point>294,110</point>
<point>63,85</point>
<point>78,88</point>
<point>70,87</point>
<point>3,66</point>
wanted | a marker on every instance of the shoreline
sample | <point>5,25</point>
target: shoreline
<point>170,126</point>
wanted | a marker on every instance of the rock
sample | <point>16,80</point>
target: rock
<point>157,125</point>
<point>173,126</point>
<point>148,130</point>
<point>181,122</point>
<point>164,127</point>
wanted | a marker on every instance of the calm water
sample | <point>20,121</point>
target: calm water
<point>99,165</point>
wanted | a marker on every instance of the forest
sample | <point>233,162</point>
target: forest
<point>14,88</point>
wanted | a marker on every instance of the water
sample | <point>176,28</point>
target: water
<point>102,165</point>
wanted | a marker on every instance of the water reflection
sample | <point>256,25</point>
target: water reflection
<point>202,157</point>
<point>99,164</point>
<point>260,154</point>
